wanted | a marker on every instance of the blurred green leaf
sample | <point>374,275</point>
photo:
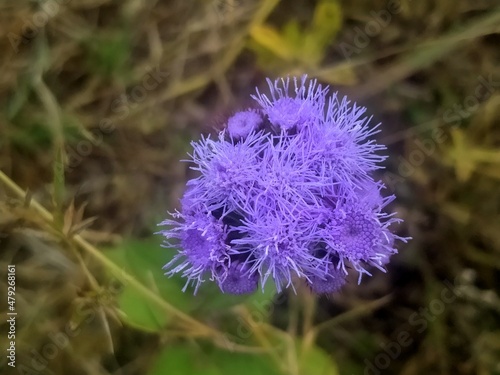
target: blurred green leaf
<point>271,39</point>
<point>293,34</point>
<point>466,156</point>
<point>342,74</point>
<point>31,132</point>
<point>183,359</point>
<point>314,361</point>
<point>210,298</point>
<point>144,260</point>
<point>20,96</point>
<point>229,363</point>
<point>303,48</point>
<point>140,313</point>
<point>108,53</point>
<point>262,305</point>
<point>327,20</point>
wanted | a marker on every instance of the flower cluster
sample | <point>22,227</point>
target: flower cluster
<point>285,192</point>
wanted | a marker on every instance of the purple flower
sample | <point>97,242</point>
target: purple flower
<point>284,193</point>
<point>333,280</point>
<point>203,239</point>
<point>289,113</point>
<point>239,280</point>
<point>243,123</point>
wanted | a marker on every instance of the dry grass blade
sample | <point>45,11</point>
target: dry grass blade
<point>425,54</point>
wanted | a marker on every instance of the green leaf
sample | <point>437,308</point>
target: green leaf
<point>210,298</point>
<point>181,360</point>
<point>108,53</point>
<point>293,34</point>
<point>229,363</point>
<point>144,260</point>
<point>140,313</point>
<point>342,74</point>
<point>271,39</point>
<point>312,51</point>
<point>327,21</point>
<point>184,359</point>
<point>314,361</point>
<point>301,48</point>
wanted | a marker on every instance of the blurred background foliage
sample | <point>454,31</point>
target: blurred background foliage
<point>99,100</point>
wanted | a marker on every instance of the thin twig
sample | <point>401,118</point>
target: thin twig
<point>190,323</point>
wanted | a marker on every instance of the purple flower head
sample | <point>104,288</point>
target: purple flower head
<point>294,112</point>
<point>286,192</point>
<point>228,169</point>
<point>204,251</point>
<point>333,280</point>
<point>238,280</point>
<point>243,123</point>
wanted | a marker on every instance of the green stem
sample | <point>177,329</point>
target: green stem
<point>189,322</point>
